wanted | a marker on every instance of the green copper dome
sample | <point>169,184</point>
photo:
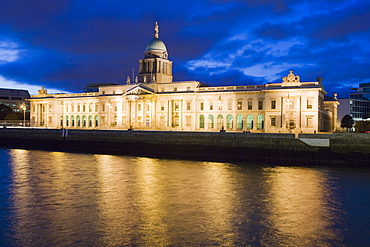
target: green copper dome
<point>156,44</point>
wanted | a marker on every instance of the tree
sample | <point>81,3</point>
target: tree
<point>361,126</point>
<point>11,116</point>
<point>347,122</point>
<point>4,111</point>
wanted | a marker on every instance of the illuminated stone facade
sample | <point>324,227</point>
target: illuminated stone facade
<point>152,101</point>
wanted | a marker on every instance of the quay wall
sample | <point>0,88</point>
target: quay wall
<point>348,149</point>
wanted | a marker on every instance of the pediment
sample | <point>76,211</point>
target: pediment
<point>138,90</point>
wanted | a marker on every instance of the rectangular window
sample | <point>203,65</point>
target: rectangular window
<point>188,120</point>
<point>84,108</point>
<point>309,103</point>
<point>138,107</point>
<point>162,106</point>
<point>103,107</point>
<point>176,107</point>
<point>201,106</point>
<point>229,105</point>
<point>240,105</point>
<point>188,106</point>
<point>210,106</point>
<point>260,105</point>
<point>219,105</point>
<point>273,104</point>
<point>250,105</point>
<point>175,89</point>
<point>188,89</point>
<point>161,121</point>
<point>273,121</point>
<point>309,122</point>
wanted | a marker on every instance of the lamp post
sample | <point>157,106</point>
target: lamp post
<point>23,106</point>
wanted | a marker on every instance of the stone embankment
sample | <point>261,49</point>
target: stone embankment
<point>290,149</point>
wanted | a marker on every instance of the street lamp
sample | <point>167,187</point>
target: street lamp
<point>23,106</point>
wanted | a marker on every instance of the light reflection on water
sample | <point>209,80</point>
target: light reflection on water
<point>60,199</point>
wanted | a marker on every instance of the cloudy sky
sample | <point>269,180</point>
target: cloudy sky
<point>65,44</point>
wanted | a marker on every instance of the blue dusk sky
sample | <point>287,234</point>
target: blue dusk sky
<point>64,44</point>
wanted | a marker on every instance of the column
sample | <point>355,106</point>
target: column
<point>169,114</point>
<point>154,114</point>
<point>135,114</point>
<point>180,113</point>
<point>195,115</point>
<point>143,119</point>
<point>128,113</point>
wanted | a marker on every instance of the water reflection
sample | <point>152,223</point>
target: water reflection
<point>299,208</point>
<point>104,200</point>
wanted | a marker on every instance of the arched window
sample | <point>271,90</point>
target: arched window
<point>78,121</point>
<point>84,121</point>
<point>229,121</point>
<point>211,122</point>
<point>67,121</point>
<point>260,122</point>
<point>220,122</point>
<point>90,121</point>
<point>250,121</point>
<point>239,122</point>
<point>73,121</point>
<point>96,121</point>
<point>201,122</point>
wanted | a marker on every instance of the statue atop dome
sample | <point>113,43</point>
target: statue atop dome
<point>155,67</point>
<point>156,48</point>
<point>156,30</point>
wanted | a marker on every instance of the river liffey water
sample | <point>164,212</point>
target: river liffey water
<point>69,199</point>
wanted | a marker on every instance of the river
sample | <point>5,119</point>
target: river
<point>70,199</point>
